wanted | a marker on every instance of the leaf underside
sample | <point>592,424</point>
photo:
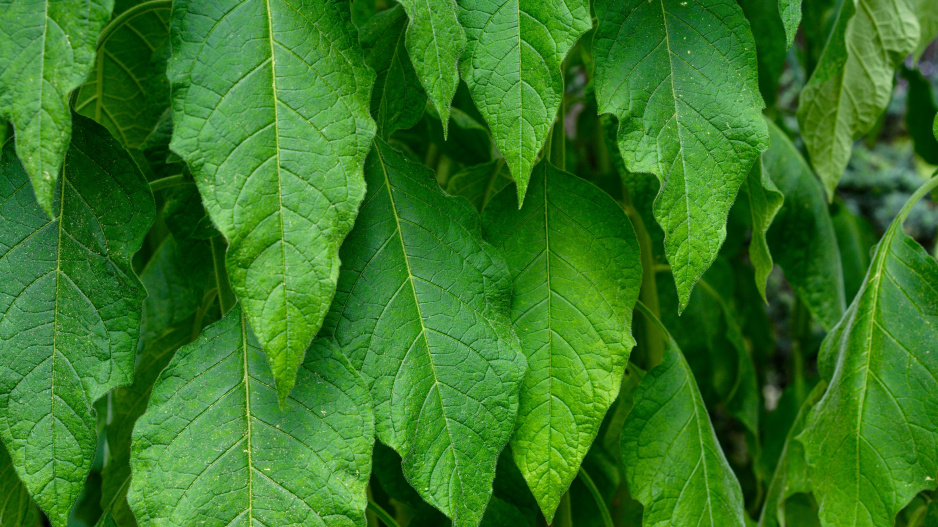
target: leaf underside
<point>764,200</point>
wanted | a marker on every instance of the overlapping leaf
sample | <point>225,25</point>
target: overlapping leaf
<point>802,236</point>
<point>69,308</point>
<point>47,47</point>
<point>870,441</point>
<point>215,449</point>
<point>16,507</point>
<point>790,11</point>
<point>576,273</point>
<point>928,20</point>
<point>480,183</point>
<point>271,101</point>
<point>852,83</point>
<point>764,201</point>
<point>512,66</point>
<point>688,104</point>
<point>421,310</point>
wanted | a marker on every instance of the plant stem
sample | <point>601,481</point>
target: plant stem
<point>382,514</point>
<point>131,13</point>
<point>597,497</point>
<point>169,181</point>
<point>653,345</point>
<point>799,331</point>
<point>558,139</point>
<point>226,297</point>
<point>564,516</point>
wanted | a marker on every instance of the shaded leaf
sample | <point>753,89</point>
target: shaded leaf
<point>16,507</point>
<point>855,239</point>
<point>764,201</point>
<point>928,20</point>
<point>479,183</point>
<point>920,115</point>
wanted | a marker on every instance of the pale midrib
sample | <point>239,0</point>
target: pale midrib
<point>550,329</point>
<point>55,316</point>
<point>247,411</point>
<point>423,329</point>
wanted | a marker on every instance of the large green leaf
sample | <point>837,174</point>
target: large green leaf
<point>576,273</point>
<point>127,90</point>
<point>689,109</point>
<point>870,441</point>
<point>764,200</point>
<point>852,83</point>
<point>435,41</point>
<point>69,308</point>
<point>673,462</point>
<point>421,310</point>
<point>398,100</point>
<point>802,237</point>
<point>512,66</point>
<point>215,449</point>
<point>16,507</point>
<point>270,102</point>
<point>47,47</point>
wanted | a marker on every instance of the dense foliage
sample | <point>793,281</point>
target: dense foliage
<point>468,262</point>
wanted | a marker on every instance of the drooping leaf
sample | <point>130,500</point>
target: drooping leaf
<point>274,124</point>
<point>215,449</point>
<point>764,201</point>
<point>47,47</point>
<point>928,20</point>
<point>434,42</point>
<point>920,115</point>
<point>69,308</point>
<point>852,83</point>
<point>421,310</point>
<point>127,90</point>
<point>689,109</point>
<point>512,66</point>
<point>674,464</point>
<point>802,237</point>
<point>790,11</point>
<point>16,507</point>
<point>480,183</point>
<point>870,441</point>
<point>388,472</point>
<point>576,274</point>
<point>769,32</point>
<point>855,240</point>
<point>398,100</point>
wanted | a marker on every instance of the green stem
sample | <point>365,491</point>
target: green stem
<point>558,138</point>
<point>226,297</point>
<point>653,347</point>
<point>927,187</point>
<point>799,333</point>
<point>597,497</point>
<point>564,516</point>
<point>169,181</point>
<point>131,13</point>
<point>382,514</point>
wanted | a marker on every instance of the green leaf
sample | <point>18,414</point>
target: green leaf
<point>16,508</point>
<point>870,441</point>
<point>920,115</point>
<point>214,448</point>
<point>480,183</point>
<point>435,41</point>
<point>928,20</point>
<point>764,201</point>
<point>398,100</point>
<point>673,462</point>
<point>855,239</point>
<point>70,305</point>
<point>46,49</point>
<point>770,32</point>
<point>127,90</point>
<point>275,127</point>
<point>421,310</point>
<point>802,236</point>
<point>689,109</point>
<point>852,83</point>
<point>512,66</point>
<point>790,11</point>
<point>576,273</point>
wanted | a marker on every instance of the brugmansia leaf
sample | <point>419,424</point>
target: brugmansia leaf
<point>274,125</point>
<point>215,449</point>
<point>127,90</point>
<point>398,100</point>
<point>769,32</point>
<point>764,200</point>
<point>47,47</point>
<point>674,464</point>
<point>852,83</point>
<point>421,310</point>
<point>790,11</point>
<point>802,237</point>
<point>870,441</point>
<point>16,507</point>
<point>69,308</point>
<point>687,98</point>
<point>480,183</point>
<point>435,41</point>
<point>928,20</point>
<point>512,66</point>
<point>576,273</point>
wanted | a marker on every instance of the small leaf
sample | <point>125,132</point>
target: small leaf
<point>852,83</point>
<point>274,124</point>
<point>674,464</point>
<point>70,307</point>
<point>576,273</point>
<point>16,508</point>
<point>764,200</point>
<point>689,109</point>
<point>47,47</point>
<point>790,11</point>
<point>421,310</point>
<point>398,100</point>
<point>435,41</point>
<point>512,66</point>
<point>870,441</point>
<point>802,236</point>
<point>479,183</point>
<point>215,449</point>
